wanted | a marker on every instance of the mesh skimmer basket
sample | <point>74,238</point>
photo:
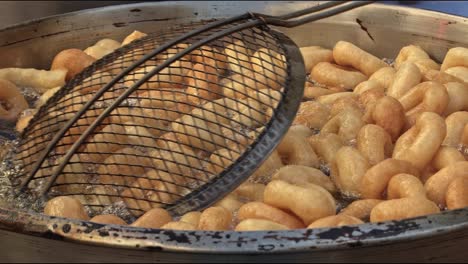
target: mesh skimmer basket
<point>182,139</point>
<point>174,121</point>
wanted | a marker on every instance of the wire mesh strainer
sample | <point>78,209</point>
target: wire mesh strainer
<point>170,120</point>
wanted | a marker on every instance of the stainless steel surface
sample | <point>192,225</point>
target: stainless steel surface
<point>425,239</point>
<point>13,12</point>
<point>380,29</point>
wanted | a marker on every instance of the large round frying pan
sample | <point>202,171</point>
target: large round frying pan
<point>380,29</point>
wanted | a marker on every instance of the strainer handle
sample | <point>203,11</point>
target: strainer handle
<point>330,8</point>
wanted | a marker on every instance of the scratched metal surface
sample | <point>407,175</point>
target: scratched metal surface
<point>382,30</point>
<point>427,239</point>
<point>13,12</point>
<point>459,8</point>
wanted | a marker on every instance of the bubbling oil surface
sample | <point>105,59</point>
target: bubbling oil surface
<point>28,201</point>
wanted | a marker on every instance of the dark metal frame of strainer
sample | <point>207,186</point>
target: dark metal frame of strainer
<point>282,118</point>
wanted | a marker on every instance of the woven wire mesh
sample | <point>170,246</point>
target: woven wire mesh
<point>171,136</point>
